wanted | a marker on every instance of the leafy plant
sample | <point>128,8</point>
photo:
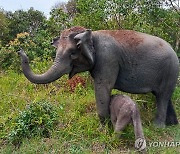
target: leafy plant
<point>24,21</point>
<point>39,119</point>
<point>38,48</point>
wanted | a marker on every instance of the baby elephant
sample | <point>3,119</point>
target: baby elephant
<point>124,110</point>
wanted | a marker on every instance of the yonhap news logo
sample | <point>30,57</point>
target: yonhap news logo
<point>140,144</point>
<point>164,144</point>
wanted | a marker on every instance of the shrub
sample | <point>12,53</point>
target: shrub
<point>8,56</point>
<point>39,119</point>
<point>35,46</point>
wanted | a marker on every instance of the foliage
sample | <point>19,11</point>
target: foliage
<point>42,49</point>
<point>24,21</point>
<point>92,14</point>
<point>147,16</point>
<point>38,48</point>
<point>39,119</point>
<point>58,21</point>
<point>156,17</point>
<point>3,27</point>
<point>8,56</point>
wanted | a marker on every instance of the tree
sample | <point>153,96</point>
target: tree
<point>72,9</point>
<point>4,29</point>
<point>91,14</point>
<point>58,21</point>
<point>25,21</point>
<point>61,16</point>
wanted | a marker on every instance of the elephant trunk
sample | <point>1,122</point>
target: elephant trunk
<point>51,75</point>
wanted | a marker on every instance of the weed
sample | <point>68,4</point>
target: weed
<point>39,119</point>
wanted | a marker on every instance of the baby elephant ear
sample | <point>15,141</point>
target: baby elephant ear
<point>85,43</point>
<point>55,42</point>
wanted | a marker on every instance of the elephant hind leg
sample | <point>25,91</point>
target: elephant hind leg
<point>165,111</point>
<point>171,118</point>
<point>162,104</point>
<point>122,120</point>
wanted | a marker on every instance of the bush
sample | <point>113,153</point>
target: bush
<point>35,46</point>
<point>39,119</point>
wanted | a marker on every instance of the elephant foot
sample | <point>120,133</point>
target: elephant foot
<point>159,124</point>
<point>171,120</point>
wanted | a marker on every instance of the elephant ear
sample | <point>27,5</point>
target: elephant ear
<point>55,42</point>
<point>85,43</point>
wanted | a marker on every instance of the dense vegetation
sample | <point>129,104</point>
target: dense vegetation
<point>72,101</point>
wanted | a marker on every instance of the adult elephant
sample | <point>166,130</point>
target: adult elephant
<point>126,60</point>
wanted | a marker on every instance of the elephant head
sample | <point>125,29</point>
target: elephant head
<point>74,54</point>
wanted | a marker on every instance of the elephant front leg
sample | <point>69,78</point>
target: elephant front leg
<point>103,93</point>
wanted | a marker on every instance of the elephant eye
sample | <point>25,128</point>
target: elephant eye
<point>74,55</point>
<point>65,37</point>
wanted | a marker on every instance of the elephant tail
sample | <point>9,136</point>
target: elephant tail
<point>137,123</point>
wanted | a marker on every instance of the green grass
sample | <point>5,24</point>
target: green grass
<point>78,128</point>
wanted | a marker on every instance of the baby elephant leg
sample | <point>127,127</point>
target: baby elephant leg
<point>113,120</point>
<point>123,119</point>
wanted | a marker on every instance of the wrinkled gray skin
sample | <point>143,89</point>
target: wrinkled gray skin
<point>125,60</point>
<point>123,110</point>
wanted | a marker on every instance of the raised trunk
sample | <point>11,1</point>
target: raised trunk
<point>51,75</point>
